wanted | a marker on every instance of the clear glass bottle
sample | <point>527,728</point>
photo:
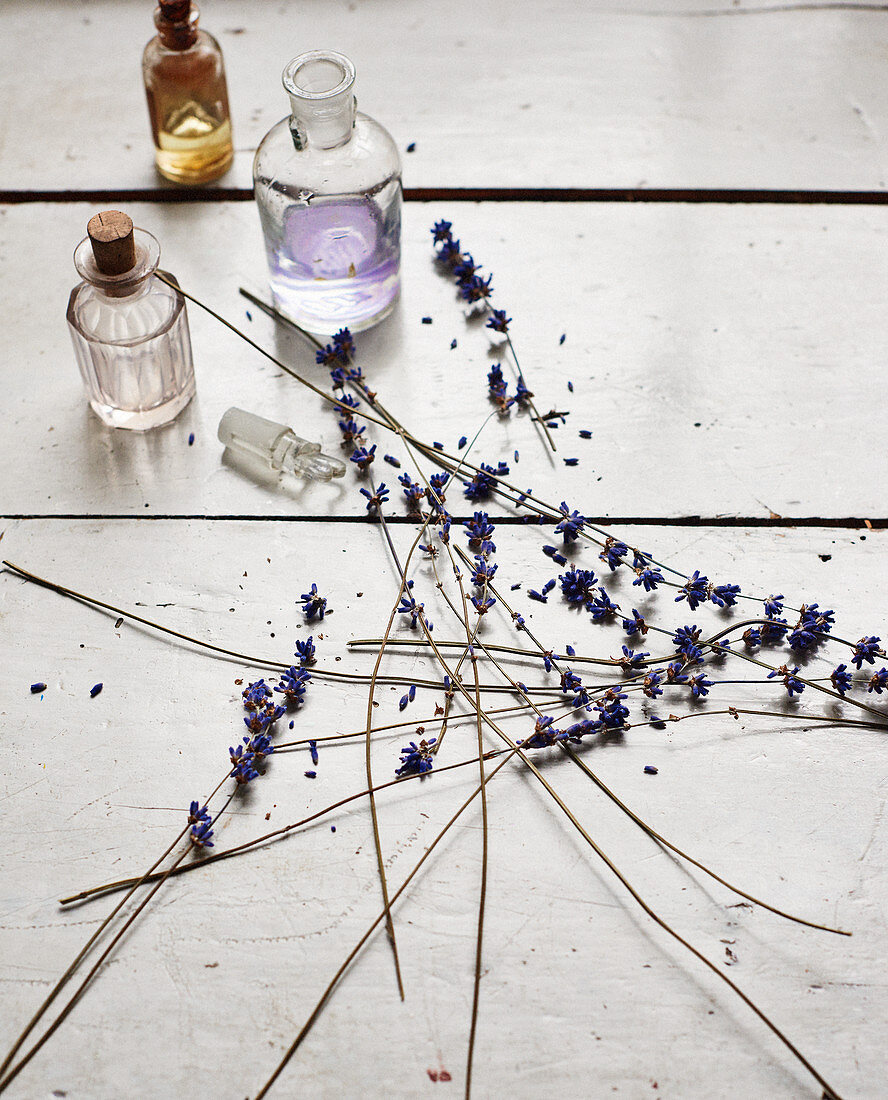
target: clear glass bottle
<point>328,187</point>
<point>129,329</point>
<point>187,97</point>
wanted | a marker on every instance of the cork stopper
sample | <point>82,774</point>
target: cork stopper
<point>176,22</point>
<point>175,11</point>
<point>111,236</point>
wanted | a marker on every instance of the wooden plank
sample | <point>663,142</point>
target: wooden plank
<point>96,787</point>
<point>680,94</point>
<point>726,358</point>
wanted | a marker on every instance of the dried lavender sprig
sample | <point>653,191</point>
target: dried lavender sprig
<point>765,1019</point>
<point>644,905</point>
<point>519,688</point>
<point>769,1024</point>
<point>201,825</point>
<point>479,292</point>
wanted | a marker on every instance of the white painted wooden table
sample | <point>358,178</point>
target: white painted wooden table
<point>728,358</point>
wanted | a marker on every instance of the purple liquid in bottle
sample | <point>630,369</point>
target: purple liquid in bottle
<point>328,191</point>
<point>335,261</point>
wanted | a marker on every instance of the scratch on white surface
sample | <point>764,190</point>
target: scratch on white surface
<point>877,823</point>
<point>21,790</point>
<point>869,129</point>
<point>92,802</point>
<point>61,923</point>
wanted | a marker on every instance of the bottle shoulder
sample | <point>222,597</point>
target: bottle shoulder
<point>148,313</point>
<point>368,159</point>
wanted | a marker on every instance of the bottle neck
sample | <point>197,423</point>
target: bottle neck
<point>320,85</point>
<point>176,22</point>
<point>129,282</point>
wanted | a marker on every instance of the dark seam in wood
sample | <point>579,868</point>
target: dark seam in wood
<point>719,196</point>
<point>837,522</point>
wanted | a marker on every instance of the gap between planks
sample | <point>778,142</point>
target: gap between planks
<point>481,194</point>
<point>854,523</point>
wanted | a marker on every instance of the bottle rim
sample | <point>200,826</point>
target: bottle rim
<point>312,57</point>
<point>147,259</point>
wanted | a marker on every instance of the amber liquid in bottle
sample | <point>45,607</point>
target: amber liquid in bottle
<point>187,97</point>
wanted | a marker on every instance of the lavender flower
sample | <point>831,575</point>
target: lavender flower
<point>479,529</point>
<point>498,321</point>
<point>376,500</point>
<point>201,835</point>
<point>724,595</point>
<point>571,525</point>
<point>613,553</point>
<point>242,761</point>
<point>651,686</point>
<point>293,684</point>
<point>256,695</point>
<point>878,681</point>
<point>409,606</point>
<point>441,231</point>
<point>602,607</point>
<point>631,660</point>
<point>841,679</point>
<point>694,590</point>
<point>699,685</point>
<point>578,585</point>
<point>363,458</point>
<point>544,734</point>
<point>867,649</point>
<point>790,681</point>
<point>649,578</point>
<point>313,604</point>
<point>473,288</point>
<point>417,759</point>
<point>611,710</point>
<point>413,491</point>
<point>635,624</point>
<point>484,481</point>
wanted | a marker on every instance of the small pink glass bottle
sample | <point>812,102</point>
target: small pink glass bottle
<point>129,329</point>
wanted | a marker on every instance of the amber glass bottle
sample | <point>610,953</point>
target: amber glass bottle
<point>187,96</point>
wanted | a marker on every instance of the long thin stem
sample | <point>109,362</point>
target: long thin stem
<point>539,420</point>
<point>648,828</point>
<point>134,883</point>
<point>380,862</point>
<point>242,658</point>
<point>309,1023</point>
<point>277,362</point>
<point>275,834</point>
<point>482,897</point>
<point>602,786</point>
<point>75,996</point>
<point>642,903</point>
